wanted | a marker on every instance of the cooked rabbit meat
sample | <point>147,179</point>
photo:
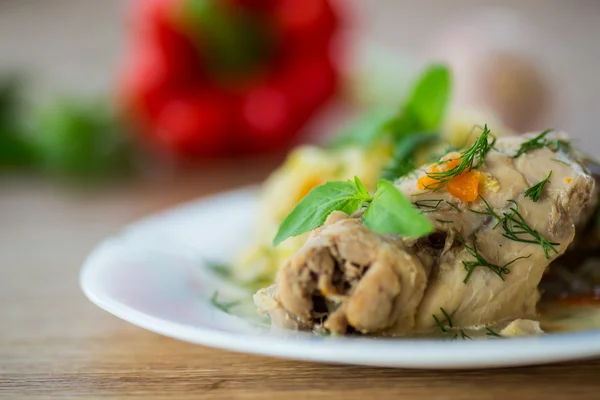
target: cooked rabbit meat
<point>354,277</point>
<point>481,266</point>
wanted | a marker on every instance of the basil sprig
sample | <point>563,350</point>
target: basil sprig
<point>422,111</point>
<point>387,211</point>
<point>407,128</point>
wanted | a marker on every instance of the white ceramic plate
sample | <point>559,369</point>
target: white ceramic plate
<point>153,276</point>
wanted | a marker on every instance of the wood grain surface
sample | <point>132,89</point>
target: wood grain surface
<point>55,344</point>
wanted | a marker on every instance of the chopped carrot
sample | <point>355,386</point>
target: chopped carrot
<point>428,183</point>
<point>465,186</point>
<point>568,180</point>
<point>449,164</point>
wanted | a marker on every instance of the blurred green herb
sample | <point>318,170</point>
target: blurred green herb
<point>427,104</point>
<point>365,130</point>
<point>560,161</point>
<point>403,159</point>
<point>220,269</point>
<point>15,148</point>
<point>81,139</point>
<point>221,305</point>
<point>491,332</point>
<point>78,137</point>
<point>225,272</point>
<point>410,128</point>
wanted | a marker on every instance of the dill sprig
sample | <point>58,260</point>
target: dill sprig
<point>447,316</point>
<point>540,141</point>
<point>440,324</point>
<point>480,261</point>
<point>491,332</point>
<point>463,336</point>
<point>442,328</point>
<point>535,192</point>
<point>223,306</point>
<point>536,143</point>
<point>515,228</point>
<point>428,206</point>
<point>454,206</point>
<point>488,211</point>
<point>470,159</point>
<point>560,161</point>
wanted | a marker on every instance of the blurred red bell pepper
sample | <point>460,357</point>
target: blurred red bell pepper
<point>208,78</point>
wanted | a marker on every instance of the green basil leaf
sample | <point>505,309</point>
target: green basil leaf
<point>391,212</point>
<point>362,190</point>
<point>403,159</point>
<point>365,130</point>
<point>429,100</point>
<point>315,207</point>
<point>422,111</point>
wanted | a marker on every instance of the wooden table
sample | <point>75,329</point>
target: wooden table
<point>55,343</point>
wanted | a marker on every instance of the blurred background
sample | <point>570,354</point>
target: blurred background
<point>111,110</point>
<point>167,76</point>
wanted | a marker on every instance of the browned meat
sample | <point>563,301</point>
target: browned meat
<point>348,278</point>
<point>354,277</point>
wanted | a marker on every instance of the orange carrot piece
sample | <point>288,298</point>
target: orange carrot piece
<point>465,186</point>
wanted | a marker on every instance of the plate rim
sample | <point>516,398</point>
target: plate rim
<point>387,352</point>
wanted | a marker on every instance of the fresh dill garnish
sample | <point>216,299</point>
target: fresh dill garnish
<point>470,159</point>
<point>535,192</point>
<point>536,143</point>
<point>453,206</point>
<point>428,205</point>
<point>220,269</point>
<point>560,161</point>
<point>515,228</point>
<point>404,157</point>
<point>540,141</point>
<point>439,324</point>
<point>445,221</point>
<point>223,306</point>
<point>559,144</point>
<point>480,261</point>
<point>491,332</point>
<point>488,211</point>
<point>463,335</point>
<point>224,271</point>
<point>447,316</point>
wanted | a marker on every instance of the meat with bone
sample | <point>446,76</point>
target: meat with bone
<point>481,266</point>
